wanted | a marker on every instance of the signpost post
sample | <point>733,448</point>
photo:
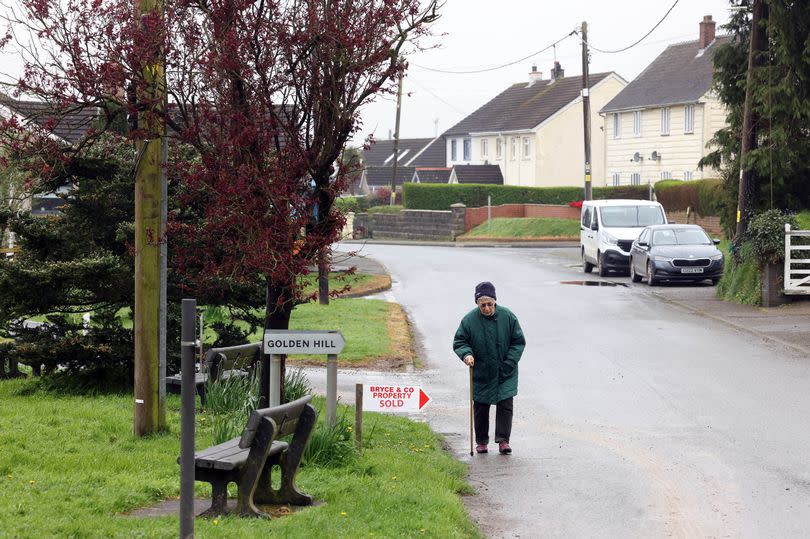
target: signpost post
<point>330,343</point>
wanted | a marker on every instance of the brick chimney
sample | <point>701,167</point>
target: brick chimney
<point>557,72</point>
<point>535,75</point>
<point>706,31</point>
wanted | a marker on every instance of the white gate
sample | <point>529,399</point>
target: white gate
<point>797,268</point>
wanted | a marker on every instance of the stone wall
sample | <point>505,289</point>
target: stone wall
<point>709,224</point>
<point>421,225</point>
<point>476,216</point>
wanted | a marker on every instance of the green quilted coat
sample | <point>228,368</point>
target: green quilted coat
<point>496,343</point>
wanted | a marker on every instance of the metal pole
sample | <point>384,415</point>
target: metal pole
<point>187,411</point>
<point>331,389</point>
<point>396,144</point>
<point>275,380</point>
<point>358,416</point>
<point>586,110</point>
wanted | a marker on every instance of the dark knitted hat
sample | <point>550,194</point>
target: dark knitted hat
<point>485,289</point>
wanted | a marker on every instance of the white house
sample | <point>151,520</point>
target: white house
<point>534,131</point>
<point>659,126</point>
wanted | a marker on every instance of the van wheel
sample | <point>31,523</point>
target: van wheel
<point>586,266</point>
<point>602,270</point>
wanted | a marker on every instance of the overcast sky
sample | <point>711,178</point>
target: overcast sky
<point>476,34</point>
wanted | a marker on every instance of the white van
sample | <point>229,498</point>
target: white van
<point>609,228</point>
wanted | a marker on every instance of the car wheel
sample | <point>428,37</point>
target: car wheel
<point>586,266</point>
<point>635,277</point>
<point>602,269</point>
<point>651,280</point>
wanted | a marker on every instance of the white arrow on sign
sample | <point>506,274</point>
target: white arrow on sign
<point>392,398</point>
<point>302,342</point>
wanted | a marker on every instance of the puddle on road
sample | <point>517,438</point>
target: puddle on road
<point>593,283</point>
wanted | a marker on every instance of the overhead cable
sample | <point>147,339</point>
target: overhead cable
<point>640,40</point>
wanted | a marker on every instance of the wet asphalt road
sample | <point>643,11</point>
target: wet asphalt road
<point>634,418</point>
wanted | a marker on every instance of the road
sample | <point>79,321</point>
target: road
<point>634,418</point>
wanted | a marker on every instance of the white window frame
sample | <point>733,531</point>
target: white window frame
<point>498,148</point>
<point>617,179</point>
<point>617,125</point>
<point>484,148</point>
<point>689,119</point>
<point>513,148</point>
<point>664,121</point>
<point>666,175</point>
<point>635,178</point>
<point>527,148</point>
<point>466,149</point>
<point>453,149</point>
<point>637,123</point>
<point>687,175</point>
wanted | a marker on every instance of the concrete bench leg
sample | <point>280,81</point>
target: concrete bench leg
<point>219,498</point>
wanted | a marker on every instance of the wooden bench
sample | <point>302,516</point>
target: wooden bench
<point>220,363</point>
<point>248,461</point>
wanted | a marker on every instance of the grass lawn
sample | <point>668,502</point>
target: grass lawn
<point>70,467</point>
<point>526,228</point>
<point>386,209</point>
<point>360,283</point>
<point>804,219</point>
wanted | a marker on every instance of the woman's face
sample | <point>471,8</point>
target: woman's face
<point>486,306</point>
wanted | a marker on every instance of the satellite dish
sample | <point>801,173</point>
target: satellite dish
<point>655,156</point>
<point>637,157</point>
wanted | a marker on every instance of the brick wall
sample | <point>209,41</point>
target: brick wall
<point>709,224</point>
<point>476,216</point>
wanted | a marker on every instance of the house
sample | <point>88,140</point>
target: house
<point>431,175</point>
<point>480,174</point>
<point>659,125</point>
<point>534,131</point>
<point>378,161</point>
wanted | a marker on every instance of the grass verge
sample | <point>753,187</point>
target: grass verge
<point>804,219</point>
<point>360,284</point>
<point>741,282</point>
<point>70,467</point>
<point>535,228</point>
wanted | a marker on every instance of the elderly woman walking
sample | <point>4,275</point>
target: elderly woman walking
<point>489,340</point>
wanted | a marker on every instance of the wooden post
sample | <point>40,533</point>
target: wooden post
<point>358,416</point>
<point>148,239</point>
<point>586,111</point>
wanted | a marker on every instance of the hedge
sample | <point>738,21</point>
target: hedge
<point>419,196</point>
<point>702,196</point>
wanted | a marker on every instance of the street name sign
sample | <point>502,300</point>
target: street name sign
<point>278,341</point>
<point>392,398</point>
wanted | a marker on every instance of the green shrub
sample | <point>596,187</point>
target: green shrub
<point>632,192</point>
<point>331,446</point>
<point>346,204</point>
<point>741,282</point>
<point>766,235</point>
<point>296,385</point>
<point>701,196</point>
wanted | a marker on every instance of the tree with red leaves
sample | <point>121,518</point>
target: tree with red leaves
<point>263,94</point>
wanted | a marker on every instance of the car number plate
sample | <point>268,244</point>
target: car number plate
<point>691,270</point>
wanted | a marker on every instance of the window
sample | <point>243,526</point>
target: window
<point>586,218</point>
<point>687,175</point>
<point>484,148</point>
<point>453,150</point>
<point>635,178</point>
<point>617,125</point>
<point>498,148</point>
<point>513,148</point>
<point>689,119</point>
<point>665,121</point>
<point>617,178</point>
<point>637,123</point>
<point>666,175</point>
<point>467,149</point>
<point>527,147</point>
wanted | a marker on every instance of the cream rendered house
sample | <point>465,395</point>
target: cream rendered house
<point>659,126</point>
<point>533,131</point>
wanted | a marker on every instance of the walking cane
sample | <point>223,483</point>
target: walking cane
<point>471,414</point>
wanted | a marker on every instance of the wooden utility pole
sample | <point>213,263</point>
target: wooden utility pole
<point>396,144</point>
<point>149,414</point>
<point>745,195</point>
<point>586,111</point>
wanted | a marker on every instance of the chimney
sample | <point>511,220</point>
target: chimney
<point>706,31</point>
<point>535,75</point>
<point>557,72</point>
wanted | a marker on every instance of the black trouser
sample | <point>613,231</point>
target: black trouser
<point>503,421</point>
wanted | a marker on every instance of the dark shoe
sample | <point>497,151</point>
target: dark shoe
<point>481,448</point>
<point>503,448</point>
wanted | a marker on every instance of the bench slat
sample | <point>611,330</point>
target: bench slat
<point>228,455</point>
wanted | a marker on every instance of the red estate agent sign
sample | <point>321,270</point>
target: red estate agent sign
<point>396,399</point>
